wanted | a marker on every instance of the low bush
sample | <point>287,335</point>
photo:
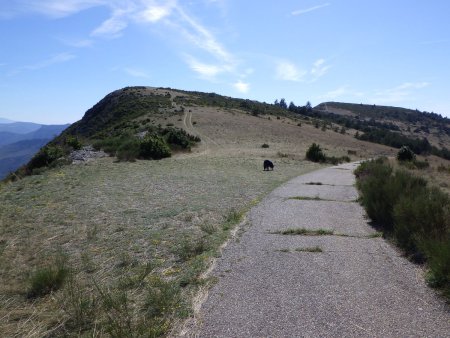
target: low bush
<point>45,157</point>
<point>179,138</point>
<point>154,147</point>
<point>315,153</point>
<point>128,150</point>
<point>73,142</point>
<point>405,154</point>
<point>417,217</point>
<point>265,145</point>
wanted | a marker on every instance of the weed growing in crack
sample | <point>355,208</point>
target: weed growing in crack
<point>304,232</point>
<point>310,249</point>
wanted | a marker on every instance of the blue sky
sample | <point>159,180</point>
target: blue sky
<point>59,57</point>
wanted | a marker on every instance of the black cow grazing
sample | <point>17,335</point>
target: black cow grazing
<point>268,165</point>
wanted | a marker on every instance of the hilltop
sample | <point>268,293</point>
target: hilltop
<point>120,244</point>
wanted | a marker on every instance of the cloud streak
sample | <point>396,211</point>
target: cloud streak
<point>288,71</point>
<point>170,14</point>
<point>400,93</point>
<point>241,86</point>
<point>311,9</point>
<point>319,69</point>
<point>60,9</point>
<point>136,73</point>
<point>207,71</point>
<point>58,58</point>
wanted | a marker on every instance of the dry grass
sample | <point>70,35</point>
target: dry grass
<point>112,220</point>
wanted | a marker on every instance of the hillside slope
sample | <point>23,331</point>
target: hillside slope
<point>412,124</point>
<point>126,242</point>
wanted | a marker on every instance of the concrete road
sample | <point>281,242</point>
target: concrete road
<point>358,286</point>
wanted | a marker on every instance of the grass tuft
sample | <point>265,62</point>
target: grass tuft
<point>375,235</point>
<point>310,249</point>
<point>307,198</point>
<point>47,279</point>
<point>304,232</point>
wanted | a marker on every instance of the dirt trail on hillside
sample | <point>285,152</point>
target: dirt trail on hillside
<point>205,145</point>
<point>269,285</point>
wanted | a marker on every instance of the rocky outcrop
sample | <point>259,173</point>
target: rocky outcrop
<point>86,154</point>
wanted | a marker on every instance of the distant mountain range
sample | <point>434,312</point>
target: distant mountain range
<point>19,141</point>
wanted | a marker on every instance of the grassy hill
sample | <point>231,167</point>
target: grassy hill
<point>121,246</point>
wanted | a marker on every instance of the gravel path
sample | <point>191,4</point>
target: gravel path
<point>359,286</point>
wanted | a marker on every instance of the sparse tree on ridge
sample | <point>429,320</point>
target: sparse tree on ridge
<point>308,107</point>
<point>292,107</point>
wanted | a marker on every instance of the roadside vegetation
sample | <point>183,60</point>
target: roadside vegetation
<point>316,154</point>
<point>410,212</point>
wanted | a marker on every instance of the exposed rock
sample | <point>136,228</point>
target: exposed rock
<point>86,154</point>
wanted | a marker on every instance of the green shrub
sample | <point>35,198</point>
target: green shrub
<point>419,216</point>
<point>437,253</point>
<point>315,153</point>
<point>154,147</point>
<point>405,154</point>
<point>416,216</point>
<point>110,145</point>
<point>45,157</point>
<point>128,150</point>
<point>73,142</point>
<point>178,138</point>
<point>373,176</point>
<point>47,279</point>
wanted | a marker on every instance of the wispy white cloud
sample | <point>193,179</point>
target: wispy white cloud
<point>77,43</point>
<point>401,93</point>
<point>136,73</point>
<point>241,86</point>
<point>338,92</point>
<point>288,71</point>
<point>412,85</point>
<point>55,59</point>
<point>202,38</point>
<point>343,91</point>
<point>319,69</point>
<point>156,13</point>
<point>58,58</point>
<point>58,8</point>
<point>171,14</point>
<point>310,9</point>
<point>112,27</point>
<point>208,71</point>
